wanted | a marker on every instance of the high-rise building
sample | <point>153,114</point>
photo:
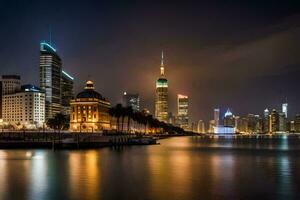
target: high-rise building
<point>217,116</point>
<point>201,126</point>
<point>67,92</point>
<point>285,109</point>
<point>229,119</point>
<point>25,108</point>
<point>211,126</point>
<point>242,125</point>
<point>265,121</point>
<point>297,123</point>
<point>282,122</point>
<point>182,111</point>
<point>290,126</point>
<point>131,100</point>
<point>50,79</point>
<point>254,123</point>
<point>161,96</point>
<point>274,122</point>
<point>11,84</point>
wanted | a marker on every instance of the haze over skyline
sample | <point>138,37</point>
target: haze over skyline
<point>244,56</point>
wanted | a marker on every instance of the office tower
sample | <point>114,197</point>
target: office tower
<point>229,119</point>
<point>285,109</point>
<point>50,79</point>
<point>274,122</point>
<point>217,116</point>
<point>265,121</point>
<point>282,122</point>
<point>201,126</point>
<point>242,125</point>
<point>211,126</point>
<point>67,84</point>
<point>182,111</point>
<point>254,123</point>
<point>297,123</point>
<point>161,96</point>
<point>236,122</point>
<point>131,100</point>
<point>11,84</point>
<point>89,111</point>
<point>25,108</point>
<point>290,126</point>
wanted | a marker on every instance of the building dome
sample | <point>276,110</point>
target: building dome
<point>89,92</point>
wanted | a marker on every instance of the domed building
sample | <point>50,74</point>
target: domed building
<point>89,111</point>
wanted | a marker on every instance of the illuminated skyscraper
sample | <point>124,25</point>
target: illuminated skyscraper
<point>285,109</point>
<point>266,121</point>
<point>50,79</point>
<point>274,121</point>
<point>67,83</point>
<point>132,100</point>
<point>161,96</point>
<point>201,126</point>
<point>217,116</point>
<point>229,119</point>
<point>182,108</point>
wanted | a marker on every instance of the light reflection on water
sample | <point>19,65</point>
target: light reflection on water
<point>179,168</point>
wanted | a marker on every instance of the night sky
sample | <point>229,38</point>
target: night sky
<point>236,54</point>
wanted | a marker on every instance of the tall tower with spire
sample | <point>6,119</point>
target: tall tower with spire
<point>161,94</point>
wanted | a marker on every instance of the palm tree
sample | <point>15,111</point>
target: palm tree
<point>112,112</point>
<point>59,122</point>
<point>129,114</point>
<point>119,110</point>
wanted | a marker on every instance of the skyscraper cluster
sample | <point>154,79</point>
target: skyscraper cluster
<point>269,122</point>
<point>29,106</point>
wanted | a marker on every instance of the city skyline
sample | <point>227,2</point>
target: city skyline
<point>270,55</point>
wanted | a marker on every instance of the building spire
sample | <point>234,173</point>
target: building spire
<point>162,67</point>
<point>50,36</point>
<point>162,58</point>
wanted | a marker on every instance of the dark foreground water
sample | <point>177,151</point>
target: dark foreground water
<point>180,168</point>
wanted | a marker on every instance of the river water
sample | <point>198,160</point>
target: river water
<point>179,168</point>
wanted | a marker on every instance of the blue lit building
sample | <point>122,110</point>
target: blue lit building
<point>131,100</point>
<point>67,92</point>
<point>50,79</point>
<point>56,83</point>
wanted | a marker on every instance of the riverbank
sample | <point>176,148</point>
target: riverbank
<point>62,140</point>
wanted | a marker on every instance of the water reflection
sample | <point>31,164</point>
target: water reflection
<point>38,174</point>
<point>84,175</point>
<point>179,168</point>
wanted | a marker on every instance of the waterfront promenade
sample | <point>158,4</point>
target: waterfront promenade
<point>68,140</point>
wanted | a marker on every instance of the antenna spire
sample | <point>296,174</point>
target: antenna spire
<point>162,58</point>
<point>50,35</point>
<point>162,67</point>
